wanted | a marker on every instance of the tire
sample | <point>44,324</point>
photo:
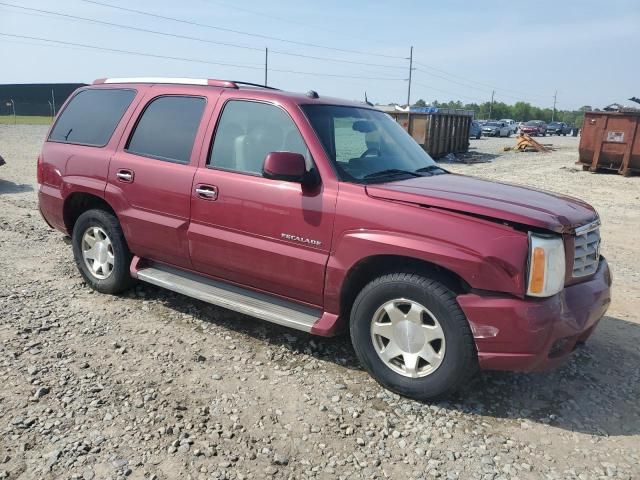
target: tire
<point>478,136</point>
<point>457,357</point>
<point>114,255</point>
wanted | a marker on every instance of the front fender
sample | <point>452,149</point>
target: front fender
<point>488,258</point>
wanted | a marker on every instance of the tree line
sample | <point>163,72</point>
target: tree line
<point>520,111</point>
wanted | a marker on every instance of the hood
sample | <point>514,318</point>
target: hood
<point>502,201</point>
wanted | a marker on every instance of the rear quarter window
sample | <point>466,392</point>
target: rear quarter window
<point>92,116</point>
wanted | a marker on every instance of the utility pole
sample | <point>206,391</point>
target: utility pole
<point>410,70</point>
<point>493,92</point>
<point>553,113</point>
<point>266,63</point>
<point>409,91</point>
<point>53,102</point>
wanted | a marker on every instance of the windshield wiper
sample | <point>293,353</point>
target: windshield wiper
<point>431,168</point>
<point>392,172</point>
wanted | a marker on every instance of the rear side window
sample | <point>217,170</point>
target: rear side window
<point>91,116</point>
<point>167,128</point>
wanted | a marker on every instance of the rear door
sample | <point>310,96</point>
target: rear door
<point>151,174</point>
<point>268,234</point>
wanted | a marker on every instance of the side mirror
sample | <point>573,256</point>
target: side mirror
<point>287,166</point>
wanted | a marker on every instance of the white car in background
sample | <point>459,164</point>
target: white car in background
<point>513,125</point>
<point>496,129</point>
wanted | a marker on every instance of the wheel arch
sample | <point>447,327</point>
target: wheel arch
<point>76,203</point>
<point>371,267</point>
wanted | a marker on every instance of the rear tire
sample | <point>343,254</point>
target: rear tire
<point>101,252</point>
<point>398,318</point>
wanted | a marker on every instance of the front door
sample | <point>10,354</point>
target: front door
<point>151,174</point>
<point>268,234</point>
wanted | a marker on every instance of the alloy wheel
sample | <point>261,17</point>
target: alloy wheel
<point>408,338</point>
<point>97,252</point>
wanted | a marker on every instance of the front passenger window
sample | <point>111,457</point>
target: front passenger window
<point>248,131</point>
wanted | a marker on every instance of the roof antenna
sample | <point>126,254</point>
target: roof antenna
<point>366,100</point>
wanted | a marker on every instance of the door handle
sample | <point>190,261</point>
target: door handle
<point>125,175</point>
<point>207,192</point>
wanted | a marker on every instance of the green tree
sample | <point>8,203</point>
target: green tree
<point>420,103</point>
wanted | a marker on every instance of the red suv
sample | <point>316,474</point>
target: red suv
<point>322,215</point>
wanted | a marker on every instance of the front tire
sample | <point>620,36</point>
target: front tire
<point>410,334</point>
<point>101,252</point>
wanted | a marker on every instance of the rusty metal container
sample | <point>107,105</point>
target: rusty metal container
<point>611,141</point>
<point>439,133</point>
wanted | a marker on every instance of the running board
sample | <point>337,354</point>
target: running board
<point>238,299</point>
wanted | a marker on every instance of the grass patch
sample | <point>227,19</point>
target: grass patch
<point>24,120</point>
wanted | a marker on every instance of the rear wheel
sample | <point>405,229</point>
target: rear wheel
<point>101,253</point>
<point>410,334</point>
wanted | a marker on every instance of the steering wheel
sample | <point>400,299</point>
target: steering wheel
<point>370,152</point>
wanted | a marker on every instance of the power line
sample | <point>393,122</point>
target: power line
<point>488,86</point>
<point>429,87</point>
<point>192,60</point>
<point>187,37</point>
<point>239,32</point>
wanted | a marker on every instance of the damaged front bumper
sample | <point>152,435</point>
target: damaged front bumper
<point>536,334</point>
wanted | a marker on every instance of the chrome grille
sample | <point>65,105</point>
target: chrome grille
<point>586,250</point>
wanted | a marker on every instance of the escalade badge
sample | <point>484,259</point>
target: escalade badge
<point>296,238</point>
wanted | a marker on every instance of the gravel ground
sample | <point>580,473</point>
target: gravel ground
<point>155,385</point>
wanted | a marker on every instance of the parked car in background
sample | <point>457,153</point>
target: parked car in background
<point>246,197</point>
<point>512,124</point>
<point>496,129</point>
<point>534,128</point>
<point>475,131</point>
<point>558,128</point>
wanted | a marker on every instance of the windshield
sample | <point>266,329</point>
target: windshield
<point>532,123</point>
<point>492,124</point>
<point>367,145</point>
<point>554,124</point>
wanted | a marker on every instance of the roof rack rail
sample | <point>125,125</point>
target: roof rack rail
<point>170,80</point>
<point>254,85</point>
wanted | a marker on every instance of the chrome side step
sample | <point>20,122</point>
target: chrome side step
<point>266,307</point>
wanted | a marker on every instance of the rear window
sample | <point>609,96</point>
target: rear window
<point>91,116</point>
<point>167,128</point>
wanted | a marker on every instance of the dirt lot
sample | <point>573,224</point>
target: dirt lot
<point>155,385</point>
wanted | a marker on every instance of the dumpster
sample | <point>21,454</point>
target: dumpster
<point>439,131</point>
<point>611,141</point>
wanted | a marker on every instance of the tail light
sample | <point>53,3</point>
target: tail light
<point>40,174</point>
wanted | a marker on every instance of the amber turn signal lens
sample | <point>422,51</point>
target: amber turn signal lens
<point>537,271</point>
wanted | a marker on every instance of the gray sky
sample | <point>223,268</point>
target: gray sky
<point>586,50</point>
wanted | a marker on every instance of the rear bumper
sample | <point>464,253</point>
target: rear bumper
<point>536,334</point>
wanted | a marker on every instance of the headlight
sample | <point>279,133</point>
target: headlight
<point>546,265</point>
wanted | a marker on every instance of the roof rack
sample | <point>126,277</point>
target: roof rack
<point>254,85</point>
<point>180,81</point>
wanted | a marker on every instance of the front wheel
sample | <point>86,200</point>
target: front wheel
<point>101,252</point>
<point>410,334</point>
